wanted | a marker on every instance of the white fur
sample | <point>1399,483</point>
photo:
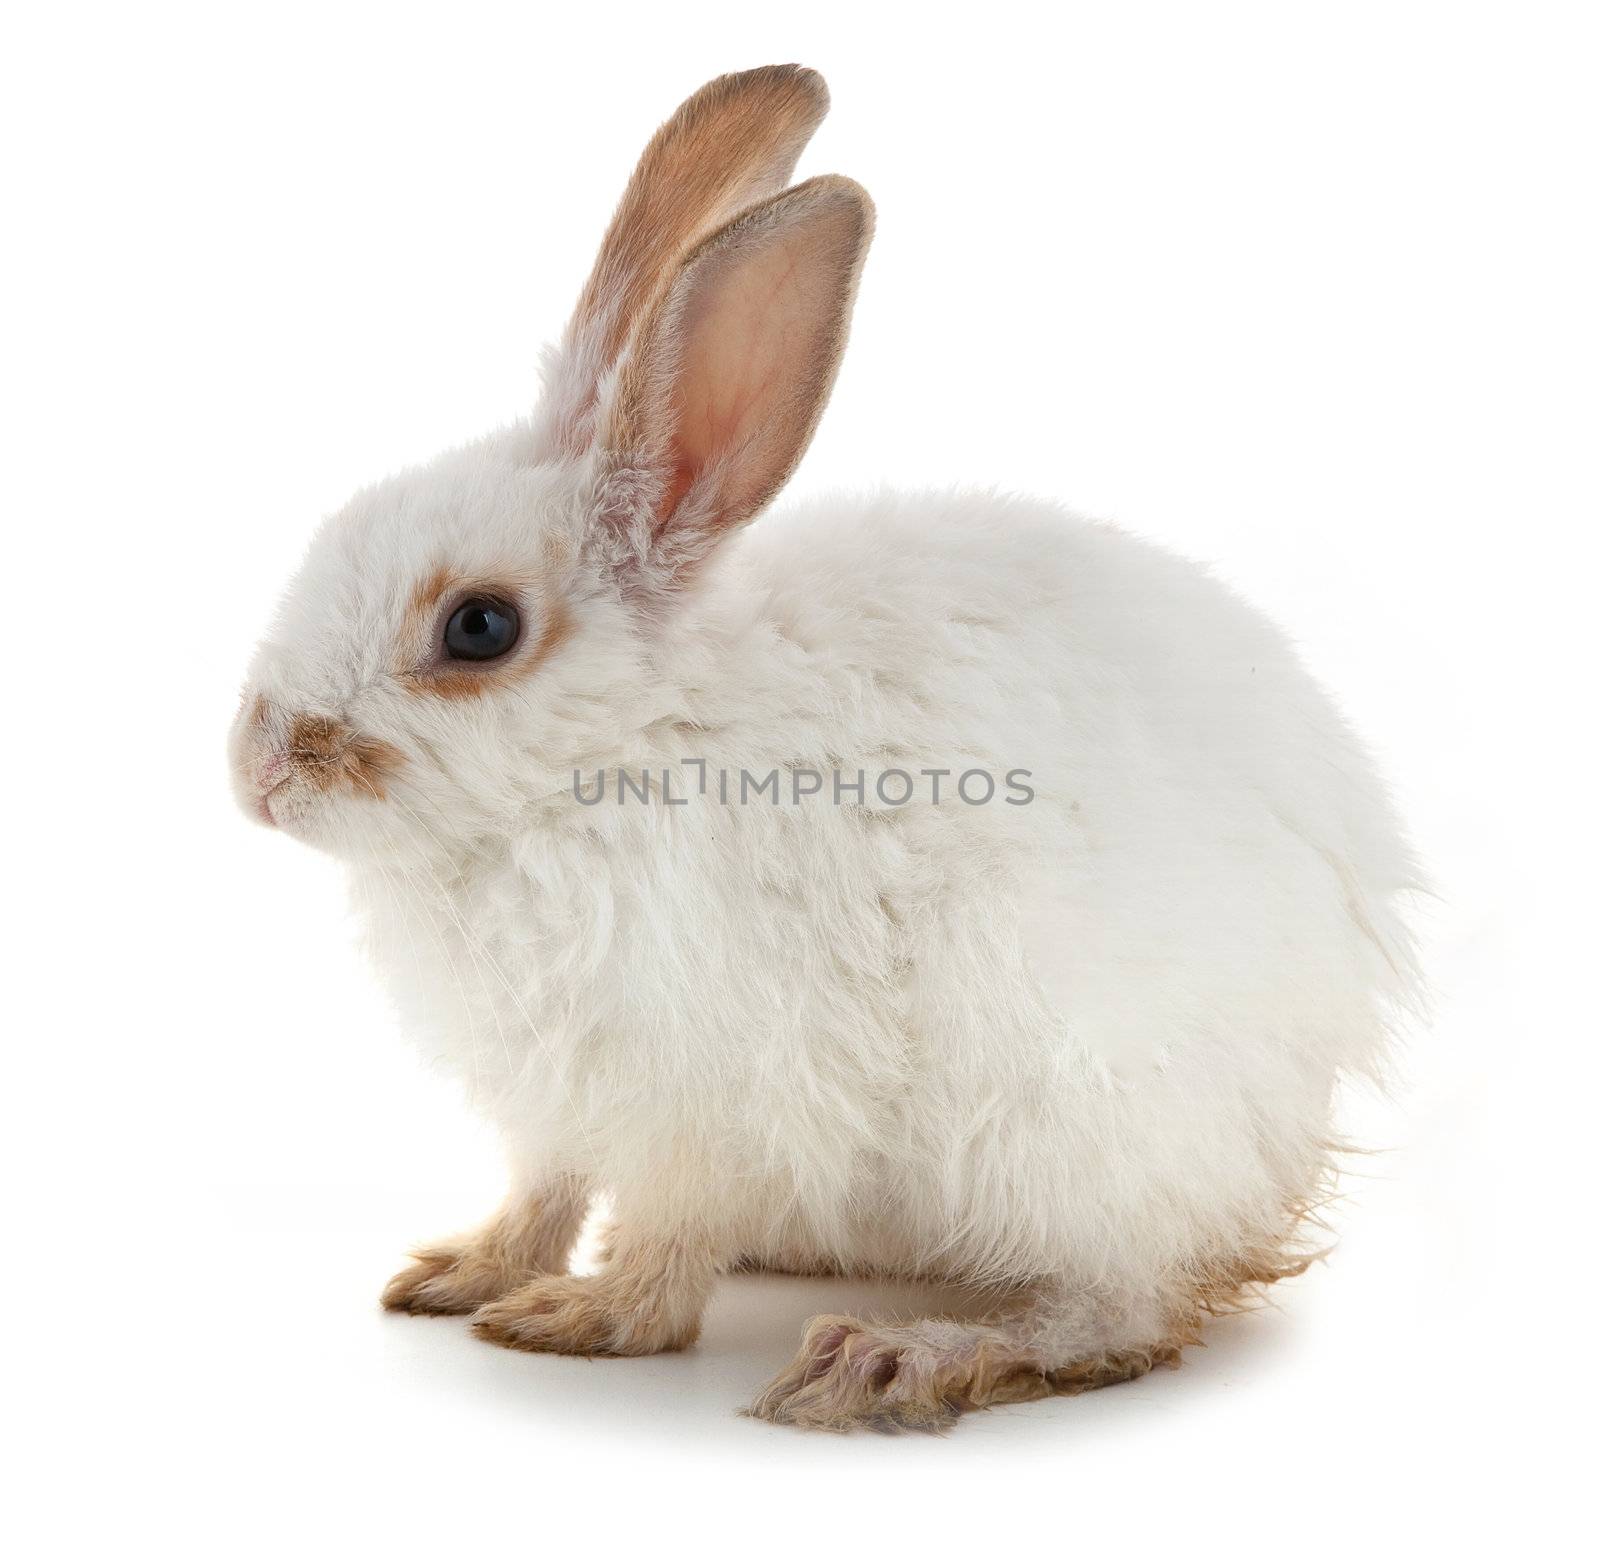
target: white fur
<point>1093,1037</point>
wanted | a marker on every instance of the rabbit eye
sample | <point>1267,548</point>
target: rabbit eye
<point>482,628</point>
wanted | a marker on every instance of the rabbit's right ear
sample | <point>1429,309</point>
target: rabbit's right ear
<point>721,391</point>
<point>733,143</point>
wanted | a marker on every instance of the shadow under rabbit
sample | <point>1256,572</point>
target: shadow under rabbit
<point>751,1329</point>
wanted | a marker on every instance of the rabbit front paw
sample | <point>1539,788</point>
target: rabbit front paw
<point>589,1316</point>
<point>447,1280</point>
<point>532,1234</point>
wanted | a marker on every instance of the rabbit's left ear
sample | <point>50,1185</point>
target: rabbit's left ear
<point>728,374</point>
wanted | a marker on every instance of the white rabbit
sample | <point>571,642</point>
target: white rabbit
<point>1074,1044</point>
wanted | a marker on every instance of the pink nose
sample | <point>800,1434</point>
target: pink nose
<point>271,770</point>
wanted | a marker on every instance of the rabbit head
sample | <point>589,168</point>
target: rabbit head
<point>461,635</point>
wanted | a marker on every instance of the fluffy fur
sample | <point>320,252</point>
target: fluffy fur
<point>1078,1051</point>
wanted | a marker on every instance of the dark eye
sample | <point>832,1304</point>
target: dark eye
<point>482,628</point>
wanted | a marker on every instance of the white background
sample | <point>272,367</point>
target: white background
<point>1308,292</point>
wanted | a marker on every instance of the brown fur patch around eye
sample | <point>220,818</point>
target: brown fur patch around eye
<point>457,680</point>
<point>327,753</point>
<point>426,594</point>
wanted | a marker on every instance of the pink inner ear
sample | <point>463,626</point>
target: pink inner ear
<point>732,371</point>
<point>718,399</point>
<point>760,333</point>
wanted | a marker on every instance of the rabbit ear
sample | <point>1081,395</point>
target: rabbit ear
<point>736,140</point>
<point>720,393</point>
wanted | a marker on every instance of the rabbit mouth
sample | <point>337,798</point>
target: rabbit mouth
<point>283,762</point>
<point>264,802</point>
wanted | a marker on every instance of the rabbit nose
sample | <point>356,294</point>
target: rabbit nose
<point>271,769</point>
<point>260,760</point>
